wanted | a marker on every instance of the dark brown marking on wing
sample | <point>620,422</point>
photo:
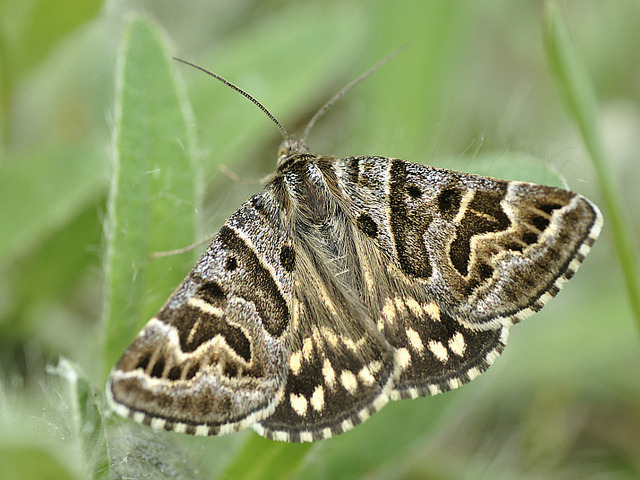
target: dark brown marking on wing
<point>408,227</point>
<point>259,286</point>
<point>367,225</point>
<point>483,215</point>
<point>196,326</point>
<point>288,258</point>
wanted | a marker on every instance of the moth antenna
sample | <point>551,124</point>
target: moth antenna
<point>348,87</point>
<point>240,91</point>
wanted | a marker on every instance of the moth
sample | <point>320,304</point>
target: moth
<point>344,284</point>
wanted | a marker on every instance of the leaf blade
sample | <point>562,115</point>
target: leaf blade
<point>154,196</point>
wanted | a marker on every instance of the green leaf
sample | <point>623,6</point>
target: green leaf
<point>28,32</point>
<point>84,421</point>
<point>154,197</point>
<point>42,191</point>
<point>31,29</point>
<point>139,452</point>
<point>508,166</point>
<point>384,438</point>
<point>270,61</point>
<point>403,101</point>
<point>29,461</point>
<point>266,459</point>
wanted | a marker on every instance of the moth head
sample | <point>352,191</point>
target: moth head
<point>291,146</point>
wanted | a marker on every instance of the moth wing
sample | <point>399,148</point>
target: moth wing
<point>489,252</point>
<point>340,369</point>
<point>213,360</point>
<point>340,373</point>
<point>434,352</point>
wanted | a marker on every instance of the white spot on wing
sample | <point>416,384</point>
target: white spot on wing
<point>227,428</point>
<point>401,306</point>
<point>454,383</point>
<point>379,402</point>
<point>491,357</point>
<point>414,340</point>
<point>389,311</point>
<point>413,393</point>
<point>365,376</point>
<point>317,399</point>
<point>306,437</point>
<point>414,306</point>
<point>457,344</point>
<point>403,358</point>
<point>158,423</point>
<point>307,348</point>
<point>584,249</point>
<point>295,362</point>
<point>281,436</point>
<point>575,263</point>
<point>438,350</point>
<point>346,425</point>
<point>299,404</point>
<point>363,415</point>
<point>349,381</point>
<point>545,298</point>
<point>432,310</point>
<point>330,337</point>
<point>473,373</point>
<point>350,344</point>
<point>120,409</point>
<point>328,373</point>
<point>375,366</point>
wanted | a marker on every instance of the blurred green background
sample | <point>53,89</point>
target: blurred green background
<point>473,92</point>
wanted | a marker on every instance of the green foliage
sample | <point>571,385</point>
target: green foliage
<point>99,134</point>
<point>578,93</point>
<point>153,198</point>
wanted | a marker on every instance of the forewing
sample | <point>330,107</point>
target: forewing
<point>489,252</point>
<point>213,360</point>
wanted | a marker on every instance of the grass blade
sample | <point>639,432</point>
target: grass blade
<point>577,91</point>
